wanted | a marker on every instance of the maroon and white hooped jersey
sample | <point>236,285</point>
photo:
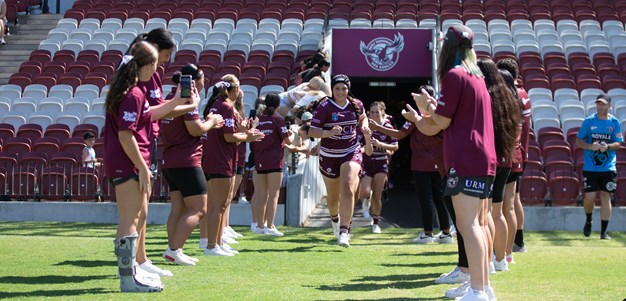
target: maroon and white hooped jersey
<point>380,153</point>
<point>329,114</point>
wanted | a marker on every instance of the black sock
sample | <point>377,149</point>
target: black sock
<point>344,229</point>
<point>335,218</point>
<point>376,218</point>
<point>588,217</point>
<point>605,224</point>
<point>174,250</point>
<point>519,238</point>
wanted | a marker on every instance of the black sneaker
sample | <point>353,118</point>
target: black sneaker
<point>587,229</point>
<point>605,235</point>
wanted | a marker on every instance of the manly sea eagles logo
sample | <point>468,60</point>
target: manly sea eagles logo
<point>381,53</point>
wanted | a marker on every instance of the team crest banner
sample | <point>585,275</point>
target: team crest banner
<point>382,52</point>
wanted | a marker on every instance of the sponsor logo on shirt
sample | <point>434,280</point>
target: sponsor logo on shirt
<point>130,116</point>
<point>155,93</point>
<point>334,116</point>
<point>610,129</point>
<point>406,125</point>
<point>441,103</point>
<point>452,182</point>
<point>619,135</point>
<point>598,136</point>
<point>593,127</point>
<point>283,129</point>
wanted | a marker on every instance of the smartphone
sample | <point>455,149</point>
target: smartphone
<point>252,113</point>
<point>185,86</point>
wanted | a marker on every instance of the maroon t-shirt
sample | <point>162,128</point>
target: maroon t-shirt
<point>329,114</point>
<point>380,153</point>
<point>154,94</point>
<point>425,150</point>
<point>180,148</point>
<point>270,151</point>
<point>469,145</point>
<point>133,114</point>
<point>525,106</point>
<point>220,156</point>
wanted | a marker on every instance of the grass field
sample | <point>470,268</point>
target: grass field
<point>75,261</point>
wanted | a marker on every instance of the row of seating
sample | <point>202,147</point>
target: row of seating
<point>554,170</point>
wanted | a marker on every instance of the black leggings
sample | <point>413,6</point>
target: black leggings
<point>459,238</point>
<point>429,191</point>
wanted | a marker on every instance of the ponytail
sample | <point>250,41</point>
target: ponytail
<point>127,74</point>
<point>221,89</point>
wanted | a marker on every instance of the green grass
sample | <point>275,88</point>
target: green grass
<point>75,261</point>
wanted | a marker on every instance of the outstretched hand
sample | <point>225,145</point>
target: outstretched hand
<point>410,114</point>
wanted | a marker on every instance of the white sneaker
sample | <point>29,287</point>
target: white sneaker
<point>233,232</point>
<point>243,200</point>
<point>335,229</point>
<point>490,293</point>
<point>229,240</point>
<point>217,251</point>
<point>151,268</point>
<point>253,226</point>
<point>501,265</point>
<point>258,230</point>
<point>177,257</point>
<point>344,239</point>
<point>473,295</point>
<point>453,231</point>
<point>273,232</point>
<point>226,233</point>
<point>191,258</point>
<point>457,292</point>
<point>443,238</point>
<point>492,268</point>
<point>509,259</point>
<point>366,204</point>
<point>146,275</point>
<point>376,229</point>
<point>424,238</point>
<point>229,249</point>
<point>456,276</point>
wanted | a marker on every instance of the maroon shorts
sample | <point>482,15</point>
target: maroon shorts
<point>330,166</point>
<point>372,167</point>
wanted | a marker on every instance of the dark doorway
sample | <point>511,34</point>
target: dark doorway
<point>396,93</point>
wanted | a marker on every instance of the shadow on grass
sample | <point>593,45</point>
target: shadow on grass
<point>88,263</point>
<point>293,250</point>
<point>374,283</point>
<point>391,299</point>
<point>56,229</point>
<point>416,265</point>
<point>430,253</point>
<point>54,293</point>
<point>51,279</point>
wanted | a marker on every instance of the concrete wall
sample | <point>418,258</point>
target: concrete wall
<point>106,213</point>
<point>569,218</point>
<point>304,190</point>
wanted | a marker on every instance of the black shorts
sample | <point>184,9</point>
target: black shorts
<point>513,177</point>
<point>499,183</point>
<point>117,181</point>
<point>604,181</point>
<point>264,172</point>
<point>479,186</point>
<point>239,170</point>
<point>209,176</point>
<point>189,181</point>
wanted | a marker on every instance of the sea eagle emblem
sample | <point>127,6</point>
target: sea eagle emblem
<point>382,53</point>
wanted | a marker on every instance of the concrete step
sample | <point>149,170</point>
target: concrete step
<point>10,63</point>
<point>9,55</point>
<point>22,41</point>
<point>29,47</point>
<point>28,27</point>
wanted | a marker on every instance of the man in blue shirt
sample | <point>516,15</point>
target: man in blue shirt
<point>600,135</point>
